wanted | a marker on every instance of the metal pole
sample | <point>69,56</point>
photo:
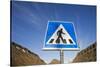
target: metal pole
<point>61,56</point>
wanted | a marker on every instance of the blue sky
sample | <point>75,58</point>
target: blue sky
<point>29,22</point>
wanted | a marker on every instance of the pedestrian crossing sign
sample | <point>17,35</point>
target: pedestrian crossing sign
<point>60,35</point>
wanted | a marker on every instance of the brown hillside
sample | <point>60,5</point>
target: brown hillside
<point>21,56</point>
<point>87,55</point>
<point>55,61</point>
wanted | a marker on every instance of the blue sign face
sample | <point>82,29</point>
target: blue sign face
<point>60,35</point>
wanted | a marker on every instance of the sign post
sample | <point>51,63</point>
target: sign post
<point>61,56</point>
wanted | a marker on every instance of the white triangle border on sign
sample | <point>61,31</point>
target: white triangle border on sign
<point>61,26</point>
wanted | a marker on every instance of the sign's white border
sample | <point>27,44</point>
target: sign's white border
<point>73,49</point>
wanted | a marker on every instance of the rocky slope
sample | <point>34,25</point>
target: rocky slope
<point>21,56</point>
<point>87,55</point>
<point>55,61</point>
